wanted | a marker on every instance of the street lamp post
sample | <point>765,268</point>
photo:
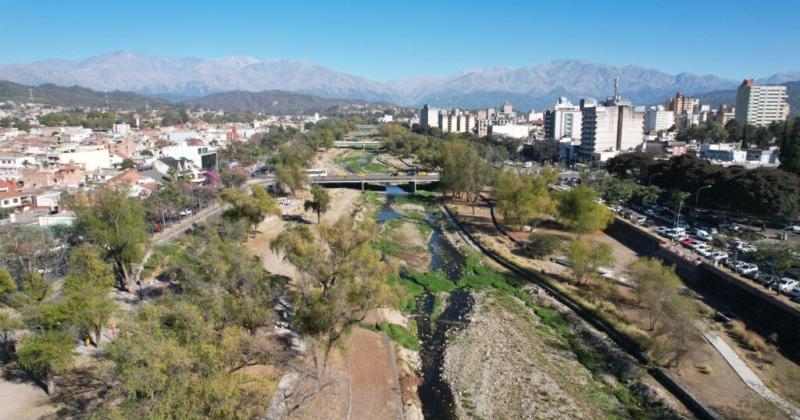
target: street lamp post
<point>650,179</point>
<point>697,195</point>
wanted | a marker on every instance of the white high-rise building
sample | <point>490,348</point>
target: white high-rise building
<point>429,116</point>
<point>564,120</point>
<point>658,119</point>
<point>615,126</point>
<point>760,105</point>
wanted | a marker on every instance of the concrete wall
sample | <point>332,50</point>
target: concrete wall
<point>756,306</point>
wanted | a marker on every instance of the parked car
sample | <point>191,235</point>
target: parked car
<point>747,268</point>
<point>705,252</point>
<point>718,256</point>
<point>688,242</point>
<point>703,235</point>
<point>698,245</point>
<point>639,219</point>
<point>786,285</point>
<point>186,212</point>
<point>663,231</point>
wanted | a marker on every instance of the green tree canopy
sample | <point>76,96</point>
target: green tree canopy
<point>579,210</point>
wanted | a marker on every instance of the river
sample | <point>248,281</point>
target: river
<point>434,392</point>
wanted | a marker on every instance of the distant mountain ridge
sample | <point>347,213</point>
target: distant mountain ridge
<point>534,86</point>
<point>273,101</point>
<point>51,94</point>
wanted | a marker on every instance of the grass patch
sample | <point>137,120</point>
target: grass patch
<point>407,302</point>
<point>432,281</point>
<point>356,161</point>
<point>399,334</point>
<point>421,221</point>
<point>388,247</point>
<point>420,198</point>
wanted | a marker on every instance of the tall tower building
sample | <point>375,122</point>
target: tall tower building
<point>564,120</point>
<point>760,105</point>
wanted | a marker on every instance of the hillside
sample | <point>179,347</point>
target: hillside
<point>729,97</point>
<point>76,96</point>
<point>270,102</point>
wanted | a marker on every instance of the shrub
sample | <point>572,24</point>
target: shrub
<point>543,244</point>
<point>747,338</point>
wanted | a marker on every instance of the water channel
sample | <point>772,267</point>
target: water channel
<point>434,392</point>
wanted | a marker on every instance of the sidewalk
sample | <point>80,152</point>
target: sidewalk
<point>749,377</point>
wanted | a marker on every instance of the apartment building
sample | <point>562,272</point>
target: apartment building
<point>761,105</point>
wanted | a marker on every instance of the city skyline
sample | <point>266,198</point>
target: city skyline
<point>382,43</point>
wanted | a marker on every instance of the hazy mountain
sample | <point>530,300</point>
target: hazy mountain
<point>536,86</point>
<point>76,96</point>
<point>269,101</point>
<point>729,97</point>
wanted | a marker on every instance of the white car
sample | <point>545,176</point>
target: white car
<point>706,252</point>
<point>718,256</point>
<point>703,235</point>
<point>186,212</point>
<point>745,247</point>
<point>786,285</point>
<point>700,245</point>
<point>747,268</point>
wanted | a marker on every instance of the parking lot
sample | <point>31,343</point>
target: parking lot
<point>720,244</point>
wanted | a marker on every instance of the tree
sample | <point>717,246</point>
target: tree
<point>320,202</point>
<point>734,131</point>
<point>616,190</point>
<point>292,175</point>
<point>233,178</point>
<point>580,210</point>
<point>253,208</point>
<point>777,257</point>
<point>463,170</point>
<point>585,258</point>
<point>680,327</point>
<point>648,195</point>
<point>112,220</point>
<point>522,199</point>
<point>790,147</point>
<point>86,289</point>
<point>343,277</point>
<point>127,164</point>
<point>46,355</point>
<point>656,285</point>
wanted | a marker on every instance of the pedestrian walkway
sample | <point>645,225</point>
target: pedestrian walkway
<point>749,377</point>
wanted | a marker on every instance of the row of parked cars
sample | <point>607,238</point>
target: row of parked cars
<point>700,242</point>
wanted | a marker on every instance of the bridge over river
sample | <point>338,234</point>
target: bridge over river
<point>365,179</point>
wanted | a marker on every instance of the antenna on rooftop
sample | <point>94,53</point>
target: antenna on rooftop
<point>616,86</point>
<point>30,94</point>
<point>106,100</point>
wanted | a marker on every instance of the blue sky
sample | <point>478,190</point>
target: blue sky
<point>386,40</point>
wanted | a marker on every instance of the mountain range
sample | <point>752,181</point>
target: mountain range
<point>534,86</point>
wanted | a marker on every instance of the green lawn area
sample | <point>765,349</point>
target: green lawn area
<point>356,161</point>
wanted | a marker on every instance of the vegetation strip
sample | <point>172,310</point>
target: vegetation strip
<point>687,398</point>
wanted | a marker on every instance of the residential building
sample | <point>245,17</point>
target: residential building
<point>564,120</point>
<point>10,165</point>
<point>760,105</point>
<point>194,150</point>
<point>516,131</point>
<point>680,104</point>
<point>609,128</point>
<point>725,114</point>
<point>429,116</point>
<point>658,119</point>
<point>91,157</point>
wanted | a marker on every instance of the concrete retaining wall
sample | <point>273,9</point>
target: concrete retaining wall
<point>757,307</point>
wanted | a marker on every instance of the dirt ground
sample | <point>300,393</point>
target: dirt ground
<point>341,203</point>
<point>360,382</point>
<point>24,400</point>
<point>721,389</point>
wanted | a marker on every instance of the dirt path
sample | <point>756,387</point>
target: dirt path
<point>22,400</point>
<point>375,391</point>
